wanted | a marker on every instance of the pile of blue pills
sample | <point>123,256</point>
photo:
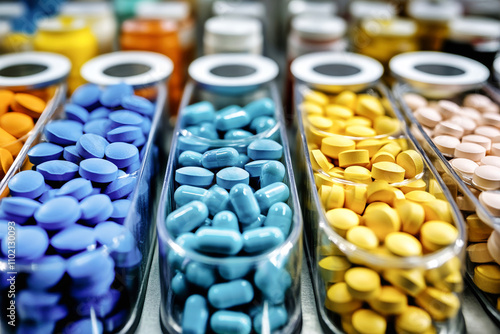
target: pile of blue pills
<point>69,212</point>
<point>231,204</point>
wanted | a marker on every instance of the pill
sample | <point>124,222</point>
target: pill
<point>280,216</point>
<point>219,241</point>
<point>446,144</point>
<point>125,133</point>
<point>441,305</point>
<point>230,322</point>
<point>179,284</point>
<point>236,134</point>
<point>6,161</point>
<point>120,210</point>
<point>355,199</point>
<point>186,218</point>
<point>27,183</point>
<point>254,168</point>
<point>333,268</point>
<point>437,210</point>
<point>412,163</point>
<point>276,318</point>
<point>495,149</point>
<point>230,176</point>
<point>125,118</point>
<point>478,253</point>
<point>96,209</point>
<point>334,197</point>
<point>20,206</point>
<point>58,213</point>
<point>319,122</point>
<point>411,281</point>
<point>419,196</point>
<point>91,146</point>
<point>271,194</point>
<point>490,200</point>
<point>190,159</point>
<point>120,187</point>
<point>353,158</point>
<point>363,237</point>
<point>76,113</point>
<point>31,243</point>
<point>17,124</point>
<point>493,246</point>
<point>43,152</point>
<point>479,140</point>
<point>194,176</point>
<point>412,216</point>
<point>6,98</point>
<point>403,244</point>
<point>244,203</point>
<point>470,151</point>
<point>230,294</point>
<point>362,283</point>
<point>319,161</point>
<point>231,117</point>
<point>28,104</point>
<point>382,220</point>
<point>262,239</point>
<point>225,220</point>
<point>332,146</point>
<point>49,271</point>
<point>198,113</point>
<point>273,282</point>
<point>487,131</point>
<point>98,126</point>
<point>265,149</point>
<point>120,154</point>
<point>477,230</point>
<point>86,95</point>
<point>98,113</point>
<point>200,274</point>
<point>339,300</point>
<point>138,104</point>
<point>73,239</point>
<point>311,108</point>
<point>259,222</point>
<point>271,172</point>
<point>195,315</point>
<point>63,132</point>
<point>428,116</point>
<point>341,220</point>
<point>97,170</point>
<point>435,235</point>
<point>487,177</point>
<point>369,106</point>
<point>217,199</point>
<point>414,320</point>
<point>222,157</point>
<point>487,278</point>
<point>464,167</point>
<point>388,171</point>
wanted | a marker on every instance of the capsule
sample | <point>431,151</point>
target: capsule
<point>187,218</point>
<point>223,322</point>
<point>262,123</point>
<point>200,274</point>
<point>271,194</point>
<point>280,216</point>
<point>186,194</point>
<point>198,113</point>
<point>233,293</point>
<point>271,172</point>
<point>234,270</point>
<point>255,167</point>
<point>216,200</point>
<point>226,220</point>
<point>260,107</point>
<point>236,134</point>
<point>219,241</point>
<point>186,241</point>
<point>259,222</point>
<point>207,130</point>
<point>190,158</point>
<point>231,117</point>
<point>222,157</point>
<point>180,285</point>
<point>195,315</point>
<point>244,203</point>
<point>276,318</point>
<point>273,282</point>
<point>262,239</point>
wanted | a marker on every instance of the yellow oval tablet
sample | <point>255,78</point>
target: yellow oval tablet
<point>6,98</point>
<point>368,322</point>
<point>371,145</point>
<point>385,125</point>
<point>362,283</point>
<point>320,122</point>
<point>322,180</point>
<point>10,143</point>
<point>487,278</point>
<point>357,174</point>
<point>413,320</point>
<point>333,268</point>
<point>436,234</point>
<point>359,131</point>
<point>388,171</point>
<point>338,127</point>
<point>311,108</point>
<point>362,237</point>
<point>341,220</point>
<point>419,196</point>
<point>403,244</point>
<point>338,111</point>
<point>324,192</point>
<point>335,198</point>
<point>316,97</point>
<point>382,156</point>
<point>477,230</point>
<point>412,162</point>
<point>347,99</point>
<point>412,186</point>
<point>437,210</point>
<point>333,145</point>
<point>319,161</point>
<point>382,220</point>
<point>369,106</point>
<point>359,120</point>
<point>441,305</point>
<point>390,301</point>
<point>410,281</point>
<point>336,172</point>
<point>339,300</point>
<point>355,198</point>
<point>353,158</point>
<point>412,216</point>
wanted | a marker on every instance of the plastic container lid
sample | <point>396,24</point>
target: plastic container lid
<point>176,10</point>
<point>434,10</point>
<point>319,28</point>
<point>233,33</point>
<point>28,70</point>
<point>298,7</point>
<point>245,8</point>
<point>56,24</point>
<point>471,28</point>
<point>438,74</point>
<point>396,27</point>
<point>371,9</point>
<point>80,8</point>
<point>233,73</point>
<point>135,68</point>
<point>337,71</point>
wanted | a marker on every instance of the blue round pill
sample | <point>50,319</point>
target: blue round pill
<point>63,132</point>
<point>18,219</point>
<point>94,290</point>
<point>58,170</point>
<point>109,233</point>
<point>126,133</point>
<point>86,95</point>
<point>31,243</point>
<point>260,107</point>
<point>27,183</point>
<point>91,146</point>
<point>197,113</point>
<point>120,187</point>
<point>146,125</point>
<point>78,188</point>
<point>236,134</point>
<point>138,104</point>
<point>46,272</point>
<point>190,158</point>
<point>93,326</point>
<point>255,167</point>
<point>21,206</point>
<point>133,167</point>
<point>36,300</point>
<point>96,209</point>
<point>125,117</point>
<point>98,113</point>
<point>58,213</point>
<point>139,141</point>
<point>98,170</point>
<point>47,195</point>
<point>44,152</point>
<point>99,126</point>
<point>112,95</point>
<point>77,113</point>
<point>120,210</point>
<point>73,239</point>
<point>90,266</point>
<point>121,154</point>
<point>190,143</point>
<point>70,154</point>
<point>264,149</point>
<point>231,176</point>
<point>194,176</point>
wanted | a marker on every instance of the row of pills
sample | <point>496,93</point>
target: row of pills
<point>18,114</point>
<point>231,203</point>
<point>400,220</point>
<point>470,135</point>
<point>69,213</point>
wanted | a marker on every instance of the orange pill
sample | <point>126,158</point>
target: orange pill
<point>28,104</point>
<point>6,97</point>
<point>10,143</point>
<point>16,123</point>
<point>6,161</point>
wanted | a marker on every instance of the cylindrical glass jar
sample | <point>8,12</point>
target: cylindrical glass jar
<point>71,38</point>
<point>355,276</point>
<point>360,10</point>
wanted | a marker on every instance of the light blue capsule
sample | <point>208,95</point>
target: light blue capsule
<point>221,157</point>
<point>276,318</point>
<point>191,144</point>
<point>194,176</point>
<point>243,159</point>
<point>265,149</point>
<point>262,123</point>
<point>234,270</point>
<point>186,241</point>
<point>187,218</point>
<point>198,113</point>
<point>259,222</point>
<point>208,130</point>
<point>272,171</point>
<point>195,315</point>
<point>194,129</point>
<point>230,294</point>
<point>180,285</point>
<point>185,194</point>
<point>228,177</point>
<point>244,203</point>
<point>262,239</point>
<point>225,220</point>
<point>273,282</point>
<point>271,194</point>
<point>236,134</point>
<point>200,274</point>
<point>280,215</point>
<point>230,322</point>
<point>216,200</point>
<point>190,158</point>
<point>218,241</point>
<point>260,107</point>
<point>255,167</point>
<point>231,117</point>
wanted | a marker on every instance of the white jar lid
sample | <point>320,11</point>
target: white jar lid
<point>319,28</point>
<point>28,70</point>
<point>434,10</point>
<point>337,71</point>
<point>232,32</point>
<point>472,27</point>
<point>298,7</point>
<point>86,8</point>
<point>136,68</point>
<point>55,24</point>
<point>371,9</point>
<point>394,27</point>
<point>233,74</point>
<point>242,8</point>
<point>438,74</point>
<point>176,10</point>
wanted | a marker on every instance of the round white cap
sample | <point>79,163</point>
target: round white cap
<point>434,10</point>
<point>87,8</point>
<point>232,33</point>
<point>319,28</point>
<point>245,8</point>
<point>176,10</point>
<point>298,7</point>
<point>55,24</point>
<point>472,27</point>
<point>371,9</point>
